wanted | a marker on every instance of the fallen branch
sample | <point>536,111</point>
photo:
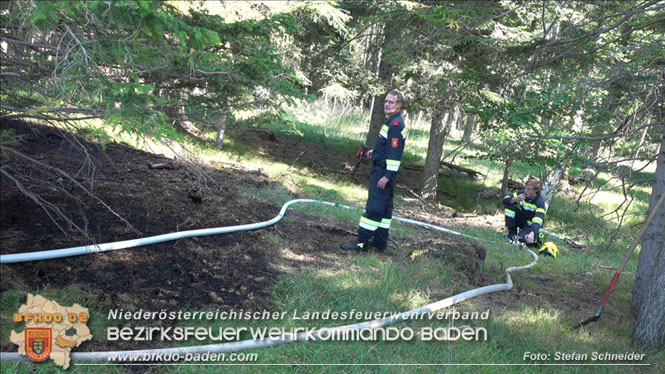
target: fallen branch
<point>48,207</point>
<point>75,182</point>
<point>574,244</point>
<point>446,173</point>
<point>470,172</point>
<point>164,165</point>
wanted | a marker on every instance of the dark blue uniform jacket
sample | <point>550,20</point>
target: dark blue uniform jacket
<point>390,146</point>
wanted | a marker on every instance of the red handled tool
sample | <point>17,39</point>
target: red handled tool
<point>615,279</point>
<point>360,155</point>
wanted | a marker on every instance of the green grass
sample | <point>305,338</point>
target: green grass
<point>375,283</point>
<point>372,283</point>
<point>9,300</point>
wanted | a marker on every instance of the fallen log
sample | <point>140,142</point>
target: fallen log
<point>515,185</point>
<point>472,173</point>
<point>455,171</point>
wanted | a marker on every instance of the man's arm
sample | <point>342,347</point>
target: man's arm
<point>396,138</point>
<point>395,151</point>
<point>514,198</point>
<point>539,218</point>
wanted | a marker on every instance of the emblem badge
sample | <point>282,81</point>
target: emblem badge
<point>394,142</point>
<point>395,123</point>
<point>38,343</point>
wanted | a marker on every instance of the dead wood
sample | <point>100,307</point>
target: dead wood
<point>163,165</point>
<point>472,173</point>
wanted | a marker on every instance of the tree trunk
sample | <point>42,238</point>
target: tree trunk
<point>649,290</point>
<point>551,182</point>
<point>385,76</point>
<point>468,129</point>
<point>173,110</point>
<point>456,122</point>
<point>649,331</point>
<point>373,50</point>
<point>368,49</point>
<point>597,145</point>
<point>506,173</point>
<point>437,136</point>
<point>221,127</point>
<point>565,177</point>
<point>648,271</point>
<point>371,61</point>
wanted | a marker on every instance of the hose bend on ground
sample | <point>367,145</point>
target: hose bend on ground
<point>94,248</point>
<point>321,334</point>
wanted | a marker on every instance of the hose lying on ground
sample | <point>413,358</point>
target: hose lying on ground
<point>94,248</point>
<point>252,344</point>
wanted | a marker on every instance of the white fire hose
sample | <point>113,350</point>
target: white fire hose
<point>321,334</point>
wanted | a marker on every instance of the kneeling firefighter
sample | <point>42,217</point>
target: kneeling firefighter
<point>525,210</point>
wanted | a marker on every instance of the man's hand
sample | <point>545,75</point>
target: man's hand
<point>518,198</point>
<point>382,183</point>
<point>369,153</point>
<point>530,237</point>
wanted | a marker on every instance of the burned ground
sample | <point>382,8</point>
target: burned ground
<point>230,271</point>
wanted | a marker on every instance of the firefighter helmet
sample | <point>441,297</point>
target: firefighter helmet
<point>550,249</point>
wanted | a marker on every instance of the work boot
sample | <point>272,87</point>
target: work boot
<point>513,238</point>
<point>355,246</point>
<point>377,247</point>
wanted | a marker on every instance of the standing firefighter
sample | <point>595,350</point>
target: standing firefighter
<point>525,209</point>
<point>386,158</point>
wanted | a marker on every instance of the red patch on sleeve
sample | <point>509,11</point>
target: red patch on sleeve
<point>395,142</point>
<point>395,123</point>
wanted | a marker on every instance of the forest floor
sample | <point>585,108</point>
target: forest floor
<point>231,271</point>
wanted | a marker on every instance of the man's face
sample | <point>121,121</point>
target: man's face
<point>530,192</point>
<point>391,105</point>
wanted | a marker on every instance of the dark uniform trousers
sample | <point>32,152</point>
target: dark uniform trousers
<point>517,220</point>
<point>379,209</point>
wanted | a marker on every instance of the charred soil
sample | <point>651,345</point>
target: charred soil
<point>93,188</point>
<point>231,271</point>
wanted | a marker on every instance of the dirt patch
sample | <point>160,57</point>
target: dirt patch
<point>231,271</point>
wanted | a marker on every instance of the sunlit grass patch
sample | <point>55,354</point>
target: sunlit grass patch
<point>530,318</point>
<point>369,282</point>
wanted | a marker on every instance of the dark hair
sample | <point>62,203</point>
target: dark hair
<point>400,97</point>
